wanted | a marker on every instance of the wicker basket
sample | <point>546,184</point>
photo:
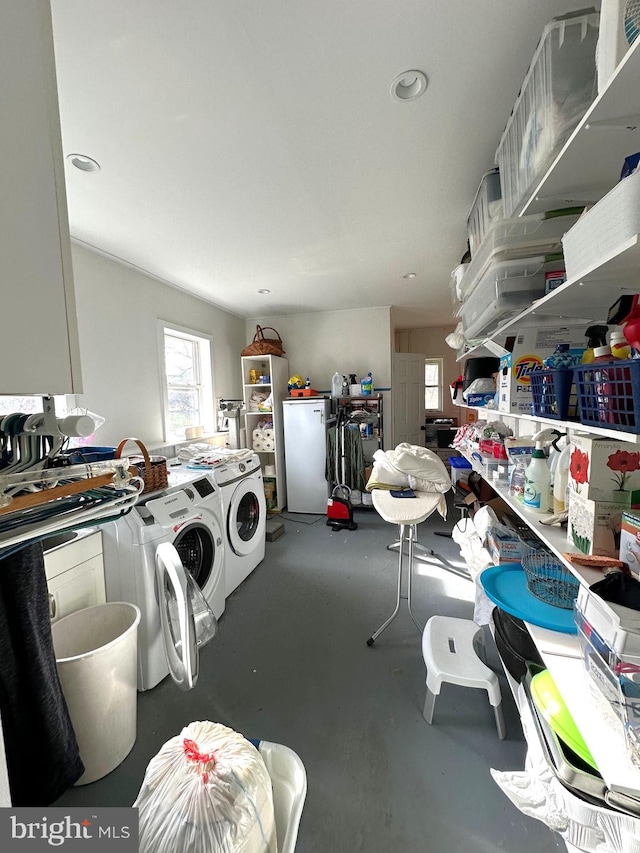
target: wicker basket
<point>151,469</point>
<point>262,345</point>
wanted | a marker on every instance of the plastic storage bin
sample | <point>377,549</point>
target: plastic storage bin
<point>557,90</point>
<point>505,289</point>
<point>611,658</point>
<point>96,654</point>
<point>554,394</point>
<point>608,225</point>
<point>460,469</point>
<point>511,239</point>
<point>486,206</point>
<point>609,394</point>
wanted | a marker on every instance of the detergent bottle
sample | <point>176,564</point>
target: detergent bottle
<point>336,385</point>
<point>596,337</point>
<point>536,484</point>
<point>367,385</point>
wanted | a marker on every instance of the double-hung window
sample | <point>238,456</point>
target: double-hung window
<point>433,370</point>
<point>187,387</point>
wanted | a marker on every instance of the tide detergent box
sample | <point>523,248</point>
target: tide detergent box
<point>530,347</point>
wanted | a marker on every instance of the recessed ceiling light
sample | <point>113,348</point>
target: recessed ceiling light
<point>264,290</point>
<point>84,163</point>
<point>408,86</point>
<point>409,275</point>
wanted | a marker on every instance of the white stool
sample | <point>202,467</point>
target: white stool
<point>449,655</point>
<point>407,513</point>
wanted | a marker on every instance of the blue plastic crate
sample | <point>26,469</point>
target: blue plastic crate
<point>609,394</point>
<point>554,393</point>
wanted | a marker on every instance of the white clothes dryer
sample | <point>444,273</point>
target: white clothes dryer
<point>189,517</point>
<point>245,517</point>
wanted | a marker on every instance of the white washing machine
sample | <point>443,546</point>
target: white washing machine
<point>188,516</point>
<point>245,516</point>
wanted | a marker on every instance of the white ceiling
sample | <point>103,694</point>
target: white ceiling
<point>254,144</point>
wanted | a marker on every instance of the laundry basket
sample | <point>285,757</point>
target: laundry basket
<point>548,579</point>
<point>96,656</point>
<point>289,782</point>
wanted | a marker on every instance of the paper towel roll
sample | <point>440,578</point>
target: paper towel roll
<point>268,445</point>
<point>258,444</point>
<point>257,434</point>
<point>269,433</point>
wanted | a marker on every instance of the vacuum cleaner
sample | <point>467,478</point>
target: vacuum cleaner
<point>339,508</point>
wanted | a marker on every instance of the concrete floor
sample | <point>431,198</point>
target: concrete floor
<point>290,664</point>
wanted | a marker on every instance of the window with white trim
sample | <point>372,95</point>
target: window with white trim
<point>187,387</point>
<point>433,371</point>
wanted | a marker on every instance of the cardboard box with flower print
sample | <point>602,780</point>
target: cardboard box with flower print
<point>594,526</point>
<point>605,469</point>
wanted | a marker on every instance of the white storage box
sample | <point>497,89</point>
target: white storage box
<point>609,223</point>
<point>505,289</point>
<point>557,90</point>
<point>486,206</point>
<point>511,239</point>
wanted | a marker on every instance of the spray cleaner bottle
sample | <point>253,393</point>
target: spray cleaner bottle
<point>596,337</point>
<point>537,484</point>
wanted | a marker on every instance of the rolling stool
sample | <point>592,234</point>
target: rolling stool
<point>449,655</point>
<point>406,513</point>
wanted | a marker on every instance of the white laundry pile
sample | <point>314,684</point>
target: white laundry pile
<point>411,466</point>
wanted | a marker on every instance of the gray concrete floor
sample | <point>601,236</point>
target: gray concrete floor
<point>290,664</point>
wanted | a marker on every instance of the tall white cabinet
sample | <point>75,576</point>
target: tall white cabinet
<point>276,368</point>
<point>39,350</point>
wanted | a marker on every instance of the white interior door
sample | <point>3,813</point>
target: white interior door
<point>407,398</point>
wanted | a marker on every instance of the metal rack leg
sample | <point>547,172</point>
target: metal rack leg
<point>379,631</point>
<point>412,545</point>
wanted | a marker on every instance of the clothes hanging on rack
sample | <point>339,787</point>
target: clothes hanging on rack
<point>42,753</point>
<point>354,457</point>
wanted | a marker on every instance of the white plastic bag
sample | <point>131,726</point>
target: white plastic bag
<point>206,791</point>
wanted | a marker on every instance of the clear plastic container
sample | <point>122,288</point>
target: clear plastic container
<point>505,289</point>
<point>511,239</point>
<point>486,206</point>
<point>557,90</point>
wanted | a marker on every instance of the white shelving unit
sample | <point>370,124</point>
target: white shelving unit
<point>586,169</point>
<point>277,369</point>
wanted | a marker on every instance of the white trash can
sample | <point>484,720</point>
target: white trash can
<point>96,654</point>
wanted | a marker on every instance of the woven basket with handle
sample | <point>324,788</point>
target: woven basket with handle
<point>262,345</point>
<point>151,469</point>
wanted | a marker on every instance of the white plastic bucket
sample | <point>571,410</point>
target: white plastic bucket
<point>96,655</point>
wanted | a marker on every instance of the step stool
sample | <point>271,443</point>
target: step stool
<point>449,655</point>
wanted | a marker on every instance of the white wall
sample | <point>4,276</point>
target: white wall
<point>118,308</point>
<point>319,344</point>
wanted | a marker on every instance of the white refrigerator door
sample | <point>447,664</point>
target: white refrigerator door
<point>305,451</point>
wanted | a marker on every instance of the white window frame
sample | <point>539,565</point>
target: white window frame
<point>439,363</point>
<point>205,378</point>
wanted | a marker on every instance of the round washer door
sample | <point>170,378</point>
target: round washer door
<point>246,516</point>
<point>200,548</point>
